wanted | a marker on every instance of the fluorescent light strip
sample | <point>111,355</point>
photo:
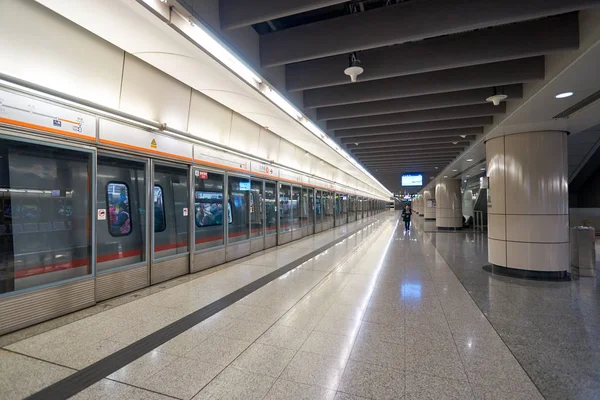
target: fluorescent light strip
<point>205,39</point>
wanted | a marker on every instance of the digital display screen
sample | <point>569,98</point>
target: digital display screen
<point>412,180</point>
<point>244,185</point>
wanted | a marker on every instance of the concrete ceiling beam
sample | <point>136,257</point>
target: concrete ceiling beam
<point>418,127</point>
<point>400,153</point>
<point>414,143</point>
<point>239,13</point>
<point>416,103</point>
<point>508,42</point>
<point>407,22</point>
<point>502,73</point>
<point>456,133</point>
<point>436,114</point>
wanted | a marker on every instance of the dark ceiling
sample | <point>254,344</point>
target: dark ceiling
<point>428,66</point>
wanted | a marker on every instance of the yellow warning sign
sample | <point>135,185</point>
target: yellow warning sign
<point>153,144</point>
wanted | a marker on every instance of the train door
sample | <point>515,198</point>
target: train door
<point>257,216</point>
<point>344,208</point>
<point>47,230</point>
<point>211,214</point>
<point>309,201</point>
<point>337,216</point>
<point>121,234</point>
<point>170,200</point>
<point>297,212</point>
<point>349,208</point>
<point>361,205</point>
<point>327,203</point>
<point>271,219</point>
<point>318,211</point>
<point>285,214</point>
<point>238,232</point>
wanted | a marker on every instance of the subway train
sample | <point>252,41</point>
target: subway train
<point>51,195</point>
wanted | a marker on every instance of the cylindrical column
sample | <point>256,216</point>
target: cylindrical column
<point>448,204</point>
<point>429,200</point>
<point>528,210</point>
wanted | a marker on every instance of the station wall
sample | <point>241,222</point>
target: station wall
<point>54,53</point>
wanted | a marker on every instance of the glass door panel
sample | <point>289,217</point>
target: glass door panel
<point>239,199</point>
<point>208,209</point>
<point>271,208</point>
<point>256,209</point>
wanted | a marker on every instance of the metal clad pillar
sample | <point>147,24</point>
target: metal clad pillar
<point>448,204</point>
<point>528,210</point>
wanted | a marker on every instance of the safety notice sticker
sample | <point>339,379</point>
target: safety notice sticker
<point>185,212</point>
<point>101,214</point>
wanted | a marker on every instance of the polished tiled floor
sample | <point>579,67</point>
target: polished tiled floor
<point>382,315</point>
<point>552,328</point>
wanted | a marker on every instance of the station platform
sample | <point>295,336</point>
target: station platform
<point>364,311</point>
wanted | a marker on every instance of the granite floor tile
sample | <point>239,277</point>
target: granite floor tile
<point>530,393</point>
<point>22,376</point>
<point>284,336</point>
<point>346,396</point>
<point>428,387</point>
<point>382,332</point>
<point>315,369</point>
<point>377,352</point>
<point>339,326</point>
<point>244,330</point>
<point>218,350</point>
<point>434,359</point>
<point>85,356</point>
<point>288,390</point>
<point>263,359</point>
<point>137,372</point>
<point>109,389</point>
<point>388,315</point>
<point>235,384</point>
<point>183,378</point>
<point>372,381</point>
<point>328,344</point>
<point>182,344</point>
<point>506,375</point>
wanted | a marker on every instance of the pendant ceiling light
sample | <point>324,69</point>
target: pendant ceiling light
<point>354,69</point>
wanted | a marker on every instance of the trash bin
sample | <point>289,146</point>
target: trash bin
<point>583,251</point>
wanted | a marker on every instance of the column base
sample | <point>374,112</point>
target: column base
<point>527,274</point>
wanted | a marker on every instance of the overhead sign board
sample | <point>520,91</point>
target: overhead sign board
<point>27,112</point>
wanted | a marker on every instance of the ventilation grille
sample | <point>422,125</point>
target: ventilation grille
<point>585,103</point>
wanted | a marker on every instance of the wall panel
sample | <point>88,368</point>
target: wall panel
<point>150,93</point>
<point>44,48</point>
<point>209,120</point>
<point>244,134</point>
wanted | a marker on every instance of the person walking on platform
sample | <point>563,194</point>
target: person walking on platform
<point>406,214</point>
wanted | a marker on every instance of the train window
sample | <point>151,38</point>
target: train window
<point>45,214</point>
<point>160,222</point>
<point>209,209</point>
<point>119,210</point>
